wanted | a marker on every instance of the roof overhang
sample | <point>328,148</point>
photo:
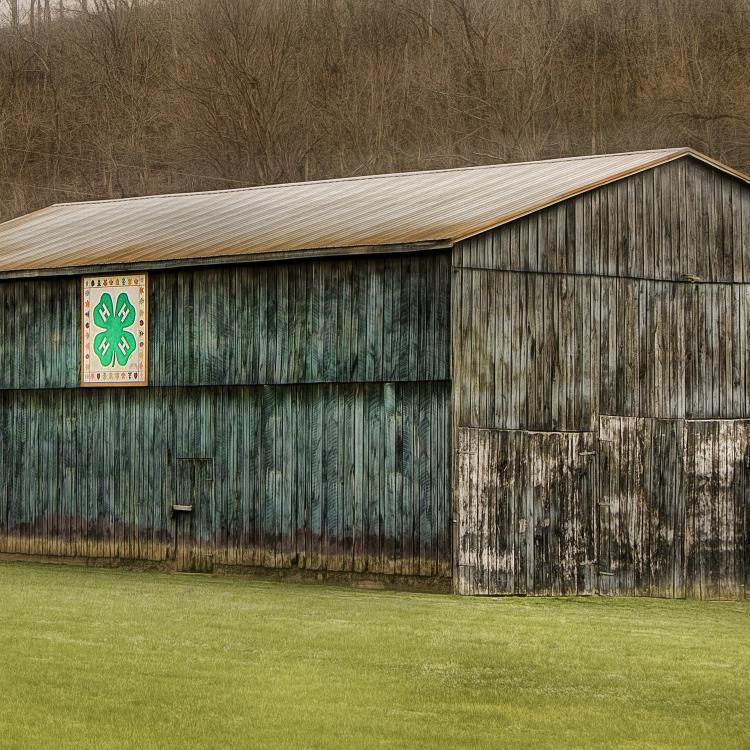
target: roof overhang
<point>231,260</point>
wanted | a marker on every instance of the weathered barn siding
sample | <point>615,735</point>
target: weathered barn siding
<point>302,408</point>
<point>40,333</point>
<point>641,506</point>
<point>549,351</point>
<point>638,506</point>
<point>339,478</point>
<point>680,218</point>
<point>351,320</point>
<point>526,514</point>
<point>623,310</point>
<point>380,319</point>
<point>674,505</point>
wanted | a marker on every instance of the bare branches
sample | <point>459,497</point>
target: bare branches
<point>126,97</point>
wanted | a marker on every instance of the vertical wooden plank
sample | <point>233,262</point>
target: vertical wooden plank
<point>743,218</point>
<point>317,485</point>
<point>360,495</point>
<point>425,511</point>
<point>375,486</point>
<point>556,362</point>
<point>391,480</point>
<point>466,530</point>
<point>348,438</point>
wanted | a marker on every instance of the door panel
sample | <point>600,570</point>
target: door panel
<point>526,512</point>
<point>717,479</point>
<point>673,503</point>
<point>639,533</point>
<point>192,509</point>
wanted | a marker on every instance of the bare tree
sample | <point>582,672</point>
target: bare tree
<point>127,97</point>
<point>13,9</point>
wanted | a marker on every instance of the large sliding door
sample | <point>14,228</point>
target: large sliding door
<point>526,512</point>
<point>637,506</point>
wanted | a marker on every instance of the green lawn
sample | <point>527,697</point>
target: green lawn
<point>103,658</point>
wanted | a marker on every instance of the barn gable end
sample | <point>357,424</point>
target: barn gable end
<point>600,372</point>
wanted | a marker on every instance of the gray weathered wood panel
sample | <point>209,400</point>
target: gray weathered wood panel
<point>717,508</point>
<point>548,352</point>
<point>630,300</point>
<point>640,520</point>
<point>680,218</point>
<point>676,497</point>
<point>526,512</point>
<point>326,477</point>
<point>374,319</point>
<point>638,507</point>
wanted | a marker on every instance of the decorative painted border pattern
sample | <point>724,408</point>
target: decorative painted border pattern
<point>137,376</point>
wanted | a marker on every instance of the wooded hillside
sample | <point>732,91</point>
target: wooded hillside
<point>110,98</point>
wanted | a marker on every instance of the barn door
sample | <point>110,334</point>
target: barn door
<point>192,510</point>
<point>526,512</point>
<point>640,518</point>
<point>673,504</point>
<point>717,500</point>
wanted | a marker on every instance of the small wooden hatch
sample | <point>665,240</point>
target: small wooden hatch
<point>192,472</point>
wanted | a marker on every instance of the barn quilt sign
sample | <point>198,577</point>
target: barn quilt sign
<point>114,330</point>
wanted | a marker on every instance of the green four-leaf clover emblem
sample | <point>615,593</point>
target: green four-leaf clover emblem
<point>115,342</point>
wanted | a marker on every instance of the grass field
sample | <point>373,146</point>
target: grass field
<point>103,658</point>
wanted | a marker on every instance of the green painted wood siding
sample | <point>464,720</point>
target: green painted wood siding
<point>680,218</point>
<point>380,319</point>
<point>352,320</point>
<point>337,477</point>
<point>301,406</point>
<point>40,333</point>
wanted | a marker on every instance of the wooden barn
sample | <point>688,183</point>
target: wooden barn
<point>513,379</point>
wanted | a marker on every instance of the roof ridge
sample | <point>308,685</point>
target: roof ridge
<point>358,178</point>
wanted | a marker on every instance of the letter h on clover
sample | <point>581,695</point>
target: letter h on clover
<point>115,342</point>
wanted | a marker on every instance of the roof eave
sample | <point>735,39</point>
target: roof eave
<point>226,260</point>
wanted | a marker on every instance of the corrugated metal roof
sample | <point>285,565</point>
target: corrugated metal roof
<point>394,209</point>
